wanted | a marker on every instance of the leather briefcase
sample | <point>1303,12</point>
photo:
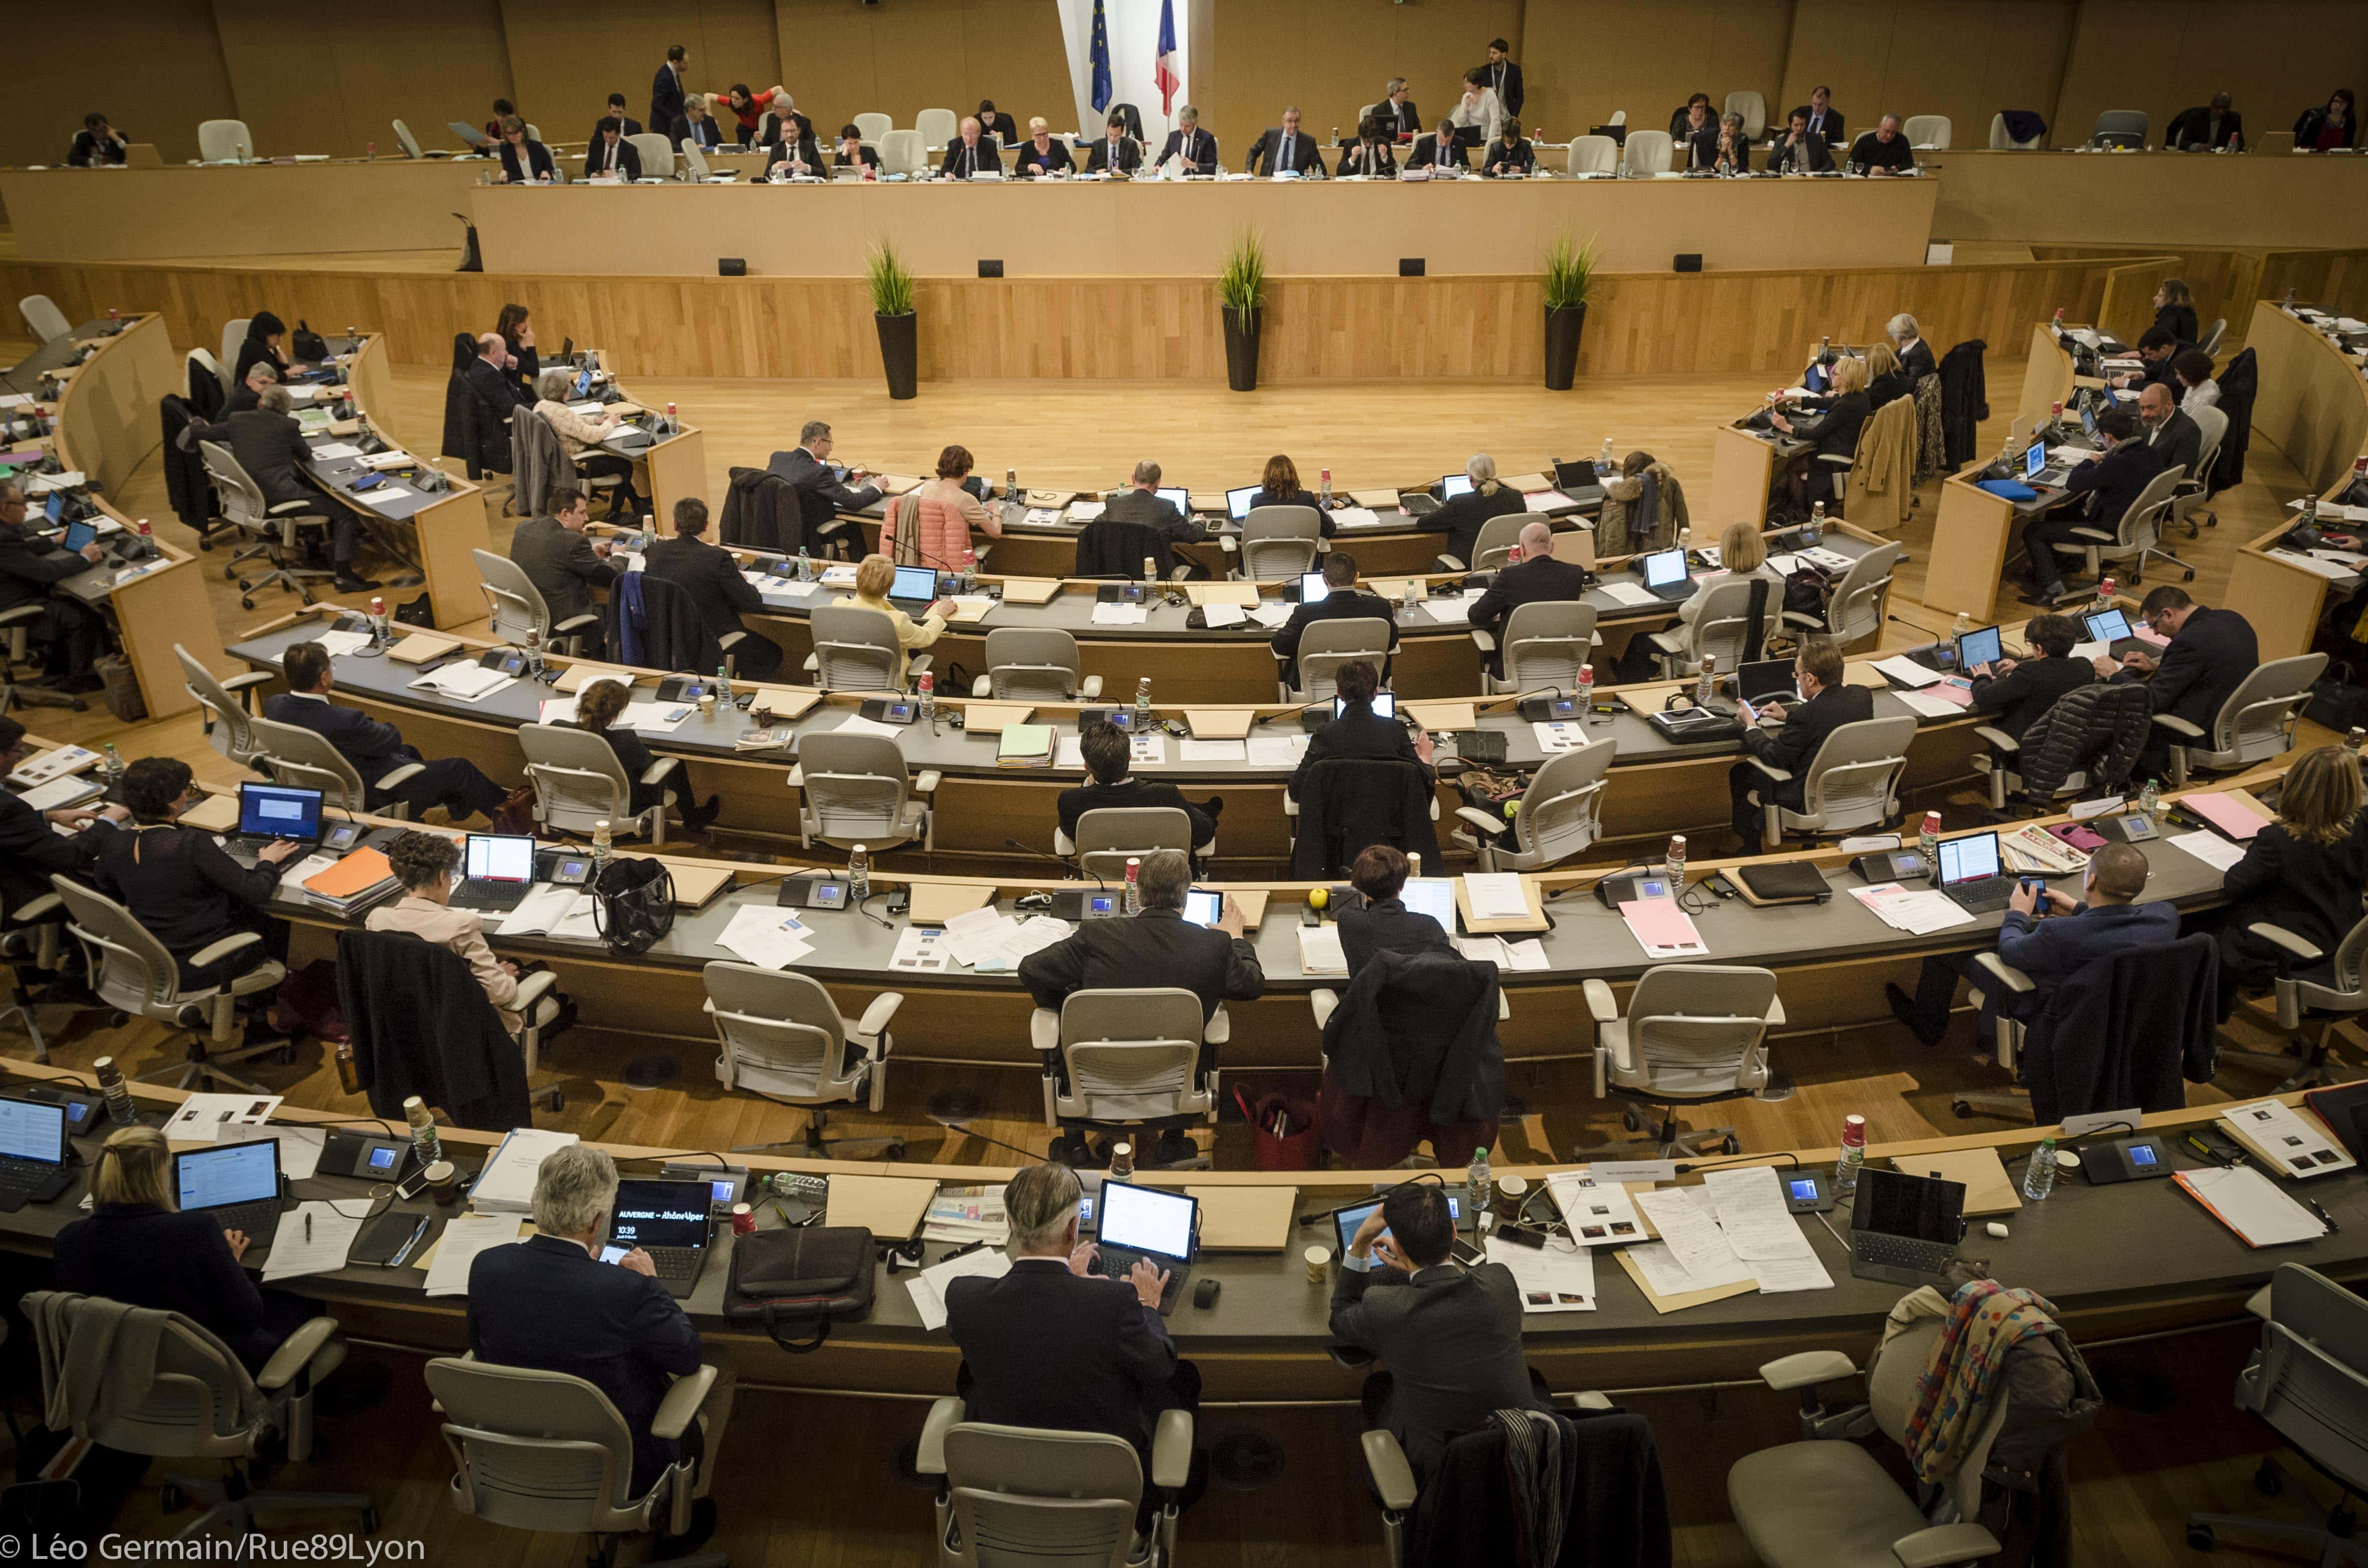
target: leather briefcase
<point>797,1281</point>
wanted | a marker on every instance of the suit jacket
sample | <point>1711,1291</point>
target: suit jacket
<point>1837,431</point>
<point>1916,362</point>
<point>1158,947</point>
<point>270,447</point>
<point>820,497</point>
<point>1387,926</point>
<point>2030,689</point>
<point>962,161</point>
<point>629,159</point>
<point>1356,733</point>
<point>1129,794</point>
<point>1690,149</point>
<point>1524,583</point>
<point>1827,130</point>
<point>1506,78</point>
<point>2178,440</point>
<point>2208,659</point>
<point>496,392</point>
<point>1425,154</point>
<point>1149,508</point>
<point>2195,125</point>
<point>1462,518</point>
<point>30,565</point>
<point>803,149</point>
<point>2314,120</point>
<point>537,165</point>
<point>1806,724</point>
<point>1129,155</point>
<point>1351,605</point>
<point>1055,155</point>
<point>2114,480</point>
<point>1001,126</point>
<point>2311,889</point>
<point>1399,120</point>
<point>1046,1347</point>
<point>632,127</point>
<point>171,1261</point>
<point>1451,1339</point>
<point>1871,153</point>
<point>1197,148</point>
<point>546,1303</point>
<point>560,564</point>
<point>1266,153</point>
<point>2050,949</point>
<point>710,577</point>
<point>373,748</point>
<point>1811,156</point>
<point>666,98</point>
<point>29,851</point>
<point>704,134</point>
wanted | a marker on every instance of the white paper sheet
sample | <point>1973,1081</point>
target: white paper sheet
<point>541,912</point>
<point>2209,847</point>
<point>1356,517</point>
<point>1928,706</point>
<point>1751,1211</point>
<point>59,793</point>
<point>1918,911</point>
<point>337,645</point>
<point>1530,954</point>
<point>2302,1149</point>
<point>1696,1244</point>
<point>1219,616</point>
<point>1069,751</point>
<point>1121,614</point>
<point>386,497</point>
<point>300,1147</point>
<point>1455,611</point>
<point>1907,671</point>
<point>921,949</point>
<point>1319,950</point>
<point>458,1247</point>
<point>331,1236</point>
<point>2250,1204</point>
<point>928,1286</point>
<point>508,1181</point>
<point>1560,734</point>
<point>1555,1277</point>
<point>767,936</point>
<point>1600,1213</point>
<point>1277,750</point>
<point>857,725</point>
<point>653,717</point>
<point>328,450</point>
<point>1270,615</point>
<point>202,1117</point>
<point>1629,594</point>
<point>1150,751</point>
<point>52,764</point>
<point>1213,751</point>
<point>1495,895</point>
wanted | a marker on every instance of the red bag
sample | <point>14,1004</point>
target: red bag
<point>307,1003</point>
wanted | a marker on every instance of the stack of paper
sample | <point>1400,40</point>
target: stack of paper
<point>1219,616</point>
<point>1120,615</point>
<point>1495,895</point>
<point>1600,1213</point>
<point>1662,929</point>
<point>1555,1277</point>
<point>1918,913</point>
<point>2209,847</point>
<point>1693,1254</point>
<point>59,793</point>
<point>1933,702</point>
<point>767,937</point>
<point>1907,671</point>
<point>1356,517</point>
<point>50,764</point>
<point>552,911</point>
<point>1449,610</point>
<point>2033,849</point>
<point>928,1286</point>
<point>1319,950</point>
<point>1213,751</point>
<point>313,1238</point>
<point>202,1117</point>
<point>339,644</point>
<point>857,725</point>
<point>448,1261</point>
<point>1270,615</point>
<point>921,949</point>
<point>1277,750</point>
<point>961,1214</point>
<point>507,1184</point>
<point>1562,734</point>
<point>2296,1146</point>
<point>300,1147</point>
<point>1763,1233</point>
<point>987,938</point>
<point>2249,1203</point>
<point>1629,594</point>
<point>1526,954</point>
<point>463,680</point>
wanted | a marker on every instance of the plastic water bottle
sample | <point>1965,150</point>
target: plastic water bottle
<point>928,698</point>
<point>1928,843</point>
<point>970,572</point>
<point>424,1142</point>
<point>805,565</point>
<point>1603,460</point>
<point>1143,706</point>
<point>1586,692</point>
<point>1134,904</point>
<point>1477,1187</point>
<point>858,875</point>
<point>116,1093</point>
<point>604,838</point>
<point>1409,593</point>
<point>111,763</point>
<point>534,651</point>
<point>2150,799</point>
<point>1815,527</point>
<point>1676,861</point>
<point>1852,1155</point>
<point>1324,494</point>
<point>2105,593</point>
<point>1705,680</point>
<point>2039,1176</point>
<point>724,684</point>
<point>1011,484</point>
<point>1150,575</point>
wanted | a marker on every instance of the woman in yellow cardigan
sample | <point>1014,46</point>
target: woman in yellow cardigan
<point>872,579</point>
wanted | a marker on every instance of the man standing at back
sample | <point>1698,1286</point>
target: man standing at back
<point>666,94</point>
<point>1533,576</point>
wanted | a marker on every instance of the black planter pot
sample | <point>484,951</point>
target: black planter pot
<point>900,354</point>
<point>1563,329</point>
<point>1241,347</point>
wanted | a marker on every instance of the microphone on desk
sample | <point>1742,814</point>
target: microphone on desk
<point>1916,626</point>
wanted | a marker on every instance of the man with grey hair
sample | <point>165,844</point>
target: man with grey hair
<point>1883,149</point>
<point>1286,151</point>
<point>1396,112</point>
<point>1053,1345</point>
<point>249,392</point>
<point>1141,502</point>
<point>1196,149</point>
<point>971,151</point>
<point>822,495</point>
<point>1916,360</point>
<point>551,1304</point>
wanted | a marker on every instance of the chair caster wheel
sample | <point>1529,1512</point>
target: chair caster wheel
<point>2200,1536</point>
<point>1631,1121</point>
<point>557,1101</point>
<point>304,595</point>
<point>2268,1481</point>
<point>246,602</point>
<point>1960,1110</point>
<point>205,542</point>
<point>895,1151</point>
<point>285,1055</point>
<point>117,1019</point>
<point>1731,1145</point>
<point>169,1498</point>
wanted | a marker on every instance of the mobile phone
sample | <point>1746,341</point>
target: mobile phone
<point>368,481</point>
<point>675,715</point>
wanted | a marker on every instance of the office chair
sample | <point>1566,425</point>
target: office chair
<point>937,128</point>
<point>226,703</point>
<point>1856,604</point>
<point>1342,841</point>
<point>1546,643</point>
<point>1117,1059</point>
<point>1326,645</point>
<point>578,783</point>
<point>539,460</point>
<point>207,384</point>
<point>2008,1104</point>
<point>2002,142</point>
<point>657,154</point>
<point>1927,132</point>
<point>132,971</point>
<point>1392,1475</point>
<point>234,333</point>
<point>1561,813</point>
<point>1492,548</point>
<point>1693,1034</point>
<point>2210,343</point>
<point>1039,664</point>
<point>1133,119</point>
<point>294,755</point>
<point>203,1405</point>
<point>1593,155</point>
<point>2321,986</point>
<point>695,169</point>
<point>2256,723</point>
<point>1016,1496</point>
<point>32,945</point>
<point>2308,1383</point>
<point>275,527</point>
<point>784,1037</point>
<point>407,142</point>
<point>872,126</point>
<point>1721,630</point>
<point>1753,108</point>
<point>1851,785</point>
<point>1279,543</point>
<point>855,650</point>
<point>2135,539</point>
<point>514,607</point>
<point>17,691</point>
<point>901,153</point>
<point>47,322</point>
<point>856,790</point>
<point>2194,490</point>
<point>225,141</point>
<point>1109,836</point>
<point>1646,155</point>
<point>2119,128</point>
<point>2108,723</point>
<point>689,648</point>
<point>546,1451</point>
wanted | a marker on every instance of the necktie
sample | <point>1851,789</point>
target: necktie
<point>1286,155</point>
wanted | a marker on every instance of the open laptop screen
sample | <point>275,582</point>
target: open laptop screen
<point>227,1175</point>
<point>2034,458</point>
<point>1766,678</point>
<point>278,810</point>
<point>1148,1220</point>
<point>2107,626</point>
<point>1894,1203</point>
<point>1180,499</point>
<point>1663,568</point>
<point>1968,859</point>
<point>496,858</point>
<point>1385,705</point>
<point>1979,647</point>
<point>1454,484</point>
<point>32,1129</point>
<point>1434,896</point>
<point>660,1214</point>
<point>1237,502</point>
<point>1312,589</point>
<point>916,584</point>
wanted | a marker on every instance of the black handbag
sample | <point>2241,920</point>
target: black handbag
<point>307,345</point>
<point>798,1280</point>
<point>633,904</point>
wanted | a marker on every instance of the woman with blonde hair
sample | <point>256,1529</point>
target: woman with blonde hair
<point>1835,435</point>
<point>2174,310</point>
<point>873,578</point>
<point>1462,517</point>
<point>2302,873</point>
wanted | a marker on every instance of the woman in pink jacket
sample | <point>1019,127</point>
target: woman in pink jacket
<point>947,515</point>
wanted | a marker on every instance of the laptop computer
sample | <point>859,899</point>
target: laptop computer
<point>1237,502</point>
<point>1179,498</point>
<point>80,534</point>
<point>2112,628</point>
<point>2037,472</point>
<point>915,588</point>
<point>236,1185</point>
<point>496,873</point>
<point>1664,576</point>
<point>1385,705</point>
<point>1983,645</point>
<point>1579,481</point>
<point>671,1221</point>
<point>33,1151</point>
<point>270,812</point>
<point>1972,873</point>
<point>1763,679</point>
<point>1905,1228</point>
<point>1347,1222</point>
<point>1451,485</point>
<point>1434,896</point>
<point>1143,1224</point>
<point>1312,589</point>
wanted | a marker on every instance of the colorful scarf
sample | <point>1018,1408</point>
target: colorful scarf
<point>1954,1393</point>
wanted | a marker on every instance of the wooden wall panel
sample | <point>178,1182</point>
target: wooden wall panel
<point>1646,56</point>
<point>314,79</point>
<point>564,70</point>
<point>1331,59</point>
<point>842,59</point>
<point>78,61</point>
<point>1965,59</point>
<point>2276,57</point>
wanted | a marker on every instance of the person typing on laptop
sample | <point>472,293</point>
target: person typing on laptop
<point>182,885</point>
<point>2096,493</point>
<point>1341,600</point>
<point>2018,691</point>
<point>425,863</point>
<point>1826,705</point>
<point>1383,922</point>
<point>873,578</point>
<point>2211,653</point>
<point>2046,941</point>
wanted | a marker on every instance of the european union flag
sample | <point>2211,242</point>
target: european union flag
<point>1102,61</point>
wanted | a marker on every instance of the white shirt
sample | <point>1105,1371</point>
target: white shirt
<point>2204,393</point>
<point>1485,114</point>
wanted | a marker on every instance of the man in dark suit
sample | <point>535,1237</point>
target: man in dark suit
<point>1108,755</point>
<point>1285,150</point>
<point>247,396</point>
<point>1825,119</point>
<point>1439,151</point>
<point>2177,439</point>
<point>1141,503</point>
<point>1532,577</point>
<point>2157,349</point>
<point>697,125</point>
<point>2215,126</point>
<point>2211,653</point>
<point>1343,601</point>
<point>72,635</point>
<point>1504,77</point>
<point>616,111</point>
<point>821,496</point>
<point>1462,518</point>
<point>1052,1344</point>
<point>376,749</point>
<point>1116,149</point>
<point>1396,112</point>
<point>550,1304</point>
<point>1449,1337</point>
<point>2096,494</point>
<point>710,575</point>
<point>668,97</point>
<point>971,152</point>
<point>563,566</point>
<point>269,445</point>
<point>1799,150</point>
<point>796,151</point>
<point>611,153</point>
<point>1188,142</point>
<point>1358,730</point>
<point>1828,705</point>
<point>2018,692</point>
<point>1383,922</point>
<point>29,850</point>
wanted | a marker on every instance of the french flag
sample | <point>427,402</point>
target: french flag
<point>1163,71</point>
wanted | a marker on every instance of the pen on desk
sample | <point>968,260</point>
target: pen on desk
<point>403,1253</point>
<point>964,1251</point>
<point>2324,1217</point>
<point>308,1227</point>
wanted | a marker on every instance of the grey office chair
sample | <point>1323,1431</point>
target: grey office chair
<point>32,940</point>
<point>2308,1383</point>
<point>203,1405</point>
<point>47,322</point>
<point>234,333</point>
<point>856,790</point>
<point>578,783</point>
<point>1492,548</point>
<point>225,141</point>
<point>1721,628</point>
<point>1927,132</point>
<point>229,717</point>
<point>1646,154</point>
<point>2002,142</point>
<point>407,142</point>
<point>1851,785</point>
<point>695,169</point>
<point>872,126</point>
<point>1387,1468</point>
<point>1693,1034</point>
<point>1753,108</point>
<point>1593,155</point>
<point>1547,644</point>
<point>2119,128</point>
<point>1024,1497</point>
<point>1858,601</point>
<point>1039,664</point>
<point>546,1451</point>
<point>275,527</point>
<point>2256,723</point>
<point>937,128</point>
<point>1561,814</point>
<point>784,1037</point>
<point>2325,987</point>
<point>2134,540</point>
<point>1279,543</point>
<point>132,971</point>
<point>1326,645</point>
<point>514,606</point>
<point>1109,836</point>
<point>2212,337</point>
<point>855,650</point>
<point>657,154</point>
<point>2196,488</point>
<point>16,646</point>
<point>901,153</point>
<point>2008,1104</point>
<point>1128,1058</point>
<point>294,755</point>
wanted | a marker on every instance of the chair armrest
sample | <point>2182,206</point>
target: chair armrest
<point>2280,936</point>
<point>1999,739</point>
<point>1386,1463</point>
<point>944,1414</point>
<point>1171,1450</point>
<point>681,1402</point>
<point>215,952</point>
<point>2179,726</point>
<point>534,988</point>
<point>1587,1399</point>
<point>1944,1544</point>
<point>919,663</point>
<point>660,768</point>
<point>1322,1003</point>
<point>576,623</point>
<point>240,682</point>
<point>1800,618</point>
<point>1090,687</point>
<point>2006,974</point>
<point>1600,1004</point>
<point>47,905</point>
<point>296,1351</point>
<point>731,640</point>
<point>1836,459</point>
<point>1807,1369</point>
<point>797,776</point>
<point>874,1022</point>
<point>23,613</point>
<point>1483,641</point>
<point>303,511</point>
<point>1671,643</point>
<point>1453,563</point>
<point>982,687</point>
<point>1290,806</point>
<point>1775,1014</point>
<point>400,775</point>
<point>1229,544</point>
<point>814,663</point>
<point>1769,768</point>
<point>925,782</point>
<point>2099,535</point>
<point>1044,1029</point>
<point>1483,820</point>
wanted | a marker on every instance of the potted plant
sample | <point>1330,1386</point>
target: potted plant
<point>1569,284</point>
<point>1241,296</point>
<point>900,329</point>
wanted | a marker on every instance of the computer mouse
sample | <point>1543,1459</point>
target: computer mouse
<point>1204,1294</point>
<point>1995,1229</point>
